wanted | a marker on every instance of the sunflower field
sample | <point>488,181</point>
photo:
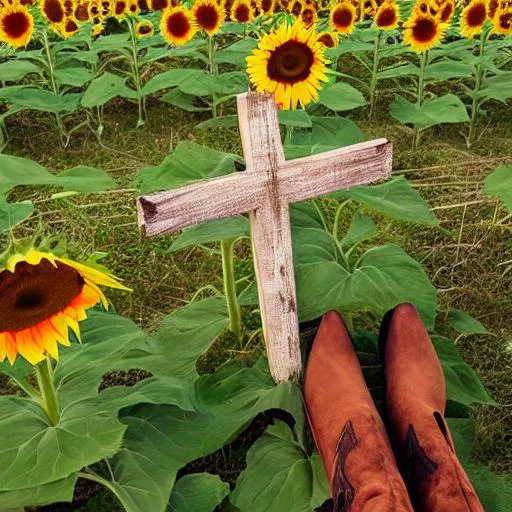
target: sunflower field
<point>133,371</point>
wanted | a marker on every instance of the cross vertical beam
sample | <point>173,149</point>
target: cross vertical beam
<point>271,236</point>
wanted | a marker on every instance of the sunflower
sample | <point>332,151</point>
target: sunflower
<point>106,9</point>
<point>53,11</point>
<point>98,26</point>
<point>208,15</point>
<point>308,16</point>
<point>426,7</point>
<point>502,21</point>
<point>289,62</point>
<point>177,25</point>
<point>120,9</point>
<point>267,6</point>
<point>42,296</point>
<point>492,7</point>
<point>242,11</point>
<point>81,12</point>
<point>446,11</point>
<point>94,10</point>
<point>296,7</point>
<point>68,7</point>
<point>226,5</point>
<point>472,18</point>
<point>133,7</point>
<point>157,5</point>
<point>387,16</point>
<point>144,28</point>
<point>328,39</point>
<point>16,25</point>
<point>68,28</point>
<point>343,17</point>
<point>423,32</point>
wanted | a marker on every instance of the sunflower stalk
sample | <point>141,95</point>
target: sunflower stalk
<point>48,399</point>
<point>213,71</point>
<point>479,78</point>
<point>136,73</point>
<point>375,69</point>
<point>55,88</point>
<point>421,93</point>
<point>228,272</point>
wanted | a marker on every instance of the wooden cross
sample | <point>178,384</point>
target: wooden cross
<point>265,190</point>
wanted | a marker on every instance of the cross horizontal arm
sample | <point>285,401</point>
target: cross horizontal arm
<point>216,198</point>
<point>306,178</point>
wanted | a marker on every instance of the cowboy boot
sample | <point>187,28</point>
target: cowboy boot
<point>347,428</point>
<point>416,402</point>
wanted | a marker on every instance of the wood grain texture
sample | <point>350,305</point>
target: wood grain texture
<point>215,198</point>
<point>264,190</point>
<point>271,236</point>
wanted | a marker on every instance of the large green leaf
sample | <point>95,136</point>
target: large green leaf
<point>16,171</point>
<point>188,162</point>
<point>15,70</point>
<point>498,87</point>
<point>448,70</point>
<point>162,439</point>
<point>172,78</point>
<point>30,98</point>
<point>60,490</point>
<point>200,492</point>
<point>280,475</point>
<point>291,118</point>
<point>499,184</point>
<point>380,278</point>
<point>76,76</point>
<point>340,97</point>
<point>38,453</point>
<point>462,383</point>
<point>12,214</point>
<point>394,198</point>
<point>212,231</point>
<point>105,88</point>
<point>326,133</point>
<point>361,228</point>
<point>494,491</point>
<point>236,53</point>
<point>184,101</point>
<point>444,109</point>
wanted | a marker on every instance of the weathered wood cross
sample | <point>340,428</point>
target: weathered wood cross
<point>265,190</point>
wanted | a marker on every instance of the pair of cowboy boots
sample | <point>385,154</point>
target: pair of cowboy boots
<point>350,435</point>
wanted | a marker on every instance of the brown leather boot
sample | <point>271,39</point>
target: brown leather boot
<point>416,402</point>
<point>347,428</point>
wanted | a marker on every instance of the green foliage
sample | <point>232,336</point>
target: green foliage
<point>499,184</point>
<point>465,323</point>
<point>200,492</point>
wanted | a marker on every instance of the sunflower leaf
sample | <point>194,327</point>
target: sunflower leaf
<point>200,492</point>
<point>499,184</point>
<point>12,214</point>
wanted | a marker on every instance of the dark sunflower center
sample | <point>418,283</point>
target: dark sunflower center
<point>144,29</point>
<point>477,15</point>
<point>446,12</point>
<point>342,17</point>
<point>290,63</point>
<point>53,10</point>
<point>120,8</point>
<point>242,13</point>
<point>493,5</point>
<point>34,293</point>
<point>178,24</point>
<point>71,26</point>
<point>207,17</point>
<point>296,8</point>
<point>81,13</point>
<point>386,17</point>
<point>425,30</point>
<point>16,24</point>
<point>158,5</point>
<point>266,5</point>
<point>327,40</point>
<point>68,7</point>
<point>506,21</point>
<point>308,16</point>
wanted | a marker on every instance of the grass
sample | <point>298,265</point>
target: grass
<point>462,257</point>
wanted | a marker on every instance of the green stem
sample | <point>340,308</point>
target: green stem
<point>480,76</point>
<point>375,69</point>
<point>53,82</point>
<point>421,92</point>
<point>228,272</point>
<point>213,70</point>
<point>49,402</point>
<point>136,72</point>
